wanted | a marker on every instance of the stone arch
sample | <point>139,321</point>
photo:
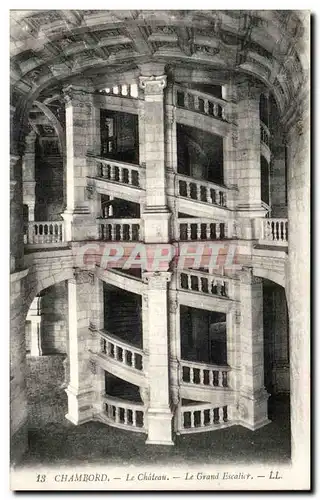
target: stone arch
<point>276,277</point>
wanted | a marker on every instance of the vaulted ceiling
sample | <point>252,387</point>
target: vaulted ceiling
<point>52,48</point>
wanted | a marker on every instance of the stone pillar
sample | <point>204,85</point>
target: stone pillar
<point>174,348</point>
<point>248,169</point>
<point>156,214</point>
<point>18,368</point>
<point>298,275</point>
<point>280,369</point>
<point>159,414</point>
<point>278,179</point>
<point>16,214</point>
<point>28,175</point>
<point>82,139</point>
<point>229,94</point>
<point>253,398</point>
<point>81,395</point>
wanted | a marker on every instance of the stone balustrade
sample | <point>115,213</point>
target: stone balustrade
<point>201,417</point>
<point>202,282</point>
<point>204,191</point>
<point>274,232</point>
<point>204,374</point>
<point>45,233</point>
<point>200,102</point>
<point>124,173</point>
<point>120,351</point>
<point>264,134</point>
<point>125,90</point>
<point>119,229</point>
<point>124,414</point>
<point>199,229</point>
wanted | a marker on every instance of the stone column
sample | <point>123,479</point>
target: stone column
<point>16,214</point>
<point>278,178</point>
<point>253,398</point>
<point>80,390</point>
<point>28,175</point>
<point>159,414</point>
<point>298,275</point>
<point>280,369</point>
<point>82,139</point>
<point>229,94</point>
<point>248,157</point>
<point>18,368</point>
<point>174,348</point>
<point>156,213</point>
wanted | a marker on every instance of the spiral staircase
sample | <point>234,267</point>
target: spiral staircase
<point>206,391</point>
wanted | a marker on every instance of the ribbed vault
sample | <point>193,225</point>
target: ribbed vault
<point>51,48</point>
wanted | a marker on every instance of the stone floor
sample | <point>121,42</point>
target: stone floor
<point>53,439</point>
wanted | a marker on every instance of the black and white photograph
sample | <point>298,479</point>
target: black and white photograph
<point>159,250</point>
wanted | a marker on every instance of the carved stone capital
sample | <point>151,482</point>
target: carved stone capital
<point>91,191</point>
<point>83,276</point>
<point>72,94</point>
<point>173,306</point>
<point>157,280</point>
<point>247,277</point>
<point>153,85</point>
<point>145,395</point>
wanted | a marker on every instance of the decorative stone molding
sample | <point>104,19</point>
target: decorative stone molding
<point>173,306</point>
<point>72,94</point>
<point>83,276</point>
<point>93,366</point>
<point>157,280</point>
<point>175,395</point>
<point>145,395</point>
<point>91,191</point>
<point>153,85</point>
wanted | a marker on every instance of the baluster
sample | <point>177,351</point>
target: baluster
<point>219,288</point>
<point>113,232</point>
<point>130,176</point>
<point>112,172</point>
<point>117,415</point>
<point>201,376</point>
<point>130,232</point>
<point>215,109</point>
<point>134,418</point>
<point>116,353</point>
<point>211,418</point>
<point>220,379</point>
<point>192,419</point>
<point>196,102</point>
<point>189,282</point>
<point>209,199</point>
<point>134,360</point>
<point>210,377</point>
<point>201,418</point>
<point>221,415</point>
<point>226,288</point>
<point>125,416</point>
<point>208,231</point>
<point>217,230</point>
<point>285,231</point>
<point>186,99</point>
<point>198,192</point>
<point>191,375</point>
<point>223,112</point>
<point>198,231</point>
<point>188,189</point>
<point>121,231</point>
<point>188,231</point>
<point>206,106</point>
